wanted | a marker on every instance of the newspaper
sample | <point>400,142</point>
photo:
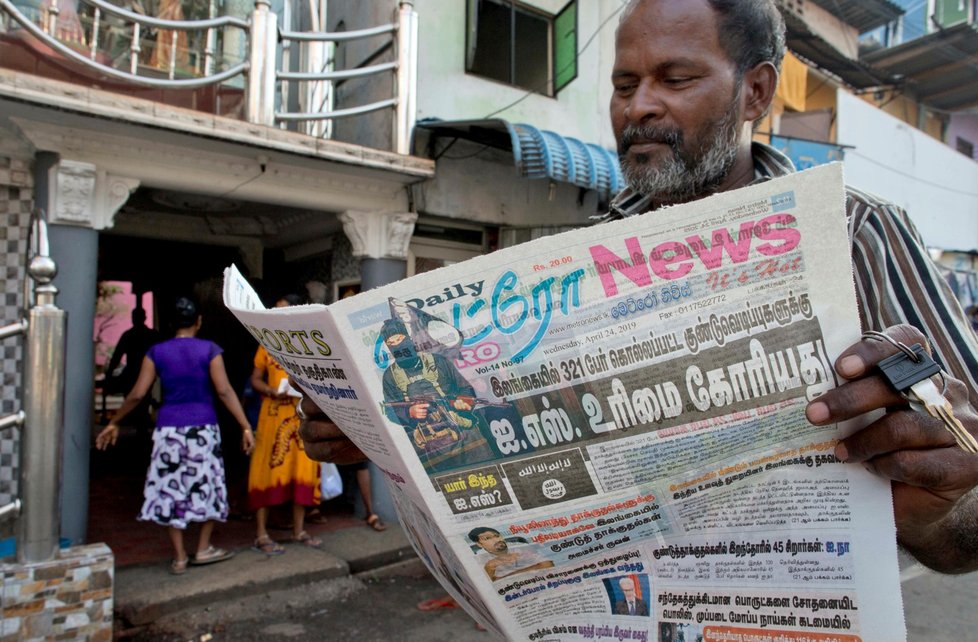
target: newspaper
<point>600,435</point>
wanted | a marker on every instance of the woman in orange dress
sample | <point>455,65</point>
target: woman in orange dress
<point>280,470</point>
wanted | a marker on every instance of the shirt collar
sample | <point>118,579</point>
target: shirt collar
<point>768,163</point>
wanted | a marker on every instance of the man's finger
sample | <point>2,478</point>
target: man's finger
<point>860,357</point>
<point>902,430</point>
<point>853,399</point>
<point>947,473</point>
<point>336,451</point>
<point>319,430</point>
<point>308,408</point>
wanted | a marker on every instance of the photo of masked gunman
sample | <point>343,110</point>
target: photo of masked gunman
<point>425,393</point>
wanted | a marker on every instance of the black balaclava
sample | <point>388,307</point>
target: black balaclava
<point>405,353</point>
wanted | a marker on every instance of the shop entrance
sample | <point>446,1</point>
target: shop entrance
<point>155,272</point>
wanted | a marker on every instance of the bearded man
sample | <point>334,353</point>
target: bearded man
<point>691,78</point>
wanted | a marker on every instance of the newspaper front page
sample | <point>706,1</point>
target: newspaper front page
<point>600,435</point>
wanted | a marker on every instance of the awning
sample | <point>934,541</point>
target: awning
<point>942,66</point>
<point>864,15</point>
<point>807,44</point>
<point>540,153</point>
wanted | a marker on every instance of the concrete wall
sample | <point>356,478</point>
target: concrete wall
<point>934,183</point>
<point>447,92</point>
<point>579,110</point>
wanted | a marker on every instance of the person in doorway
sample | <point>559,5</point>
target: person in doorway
<point>362,473</point>
<point>133,345</point>
<point>280,472</point>
<point>690,80</point>
<point>185,482</point>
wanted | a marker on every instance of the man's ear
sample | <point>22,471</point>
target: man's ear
<point>760,84</point>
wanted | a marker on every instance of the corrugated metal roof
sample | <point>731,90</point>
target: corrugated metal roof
<point>942,67</point>
<point>862,14</point>
<point>540,153</point>
<point>807,44</point>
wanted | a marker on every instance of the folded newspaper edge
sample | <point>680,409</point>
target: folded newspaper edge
<point>601,434</point>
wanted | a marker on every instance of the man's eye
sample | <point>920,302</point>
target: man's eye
<point>679,80</point>
<point>624,89</point>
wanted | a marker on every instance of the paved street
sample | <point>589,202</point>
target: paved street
<point>938,609</point>
<point>344,609</point>
<point>941,608</point>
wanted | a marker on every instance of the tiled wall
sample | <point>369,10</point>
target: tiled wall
<point>67,598</point>
<point>16,200</point>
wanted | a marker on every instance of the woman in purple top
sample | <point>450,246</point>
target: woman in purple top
<point>185,480</point>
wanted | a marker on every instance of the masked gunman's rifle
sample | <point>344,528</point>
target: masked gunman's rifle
<point>474,403</point>
<point>439,430</point>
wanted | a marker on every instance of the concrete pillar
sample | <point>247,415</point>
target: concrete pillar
<point>81,200</point>
<point>75,250</point>
<point>377,272</point>
<point>381,242</point>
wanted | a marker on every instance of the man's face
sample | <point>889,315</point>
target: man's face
<point>492,542</point>
<point>676,107</point>
<point>628,589</point>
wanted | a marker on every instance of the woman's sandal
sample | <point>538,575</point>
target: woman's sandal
<point>308,540</point>
<point>267,546</point>
<point>211,555</point>
<point>179,567</point>
<point>373,521</point>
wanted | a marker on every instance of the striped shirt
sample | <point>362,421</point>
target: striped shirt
<point>896,281</point>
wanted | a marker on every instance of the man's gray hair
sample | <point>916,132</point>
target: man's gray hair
<point>751,31</point>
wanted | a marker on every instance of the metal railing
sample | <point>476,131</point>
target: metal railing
<point>42,418</point>
<point>188,54</point>
<point>319,75</point>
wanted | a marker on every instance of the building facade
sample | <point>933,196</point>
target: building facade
<point>329,146</point>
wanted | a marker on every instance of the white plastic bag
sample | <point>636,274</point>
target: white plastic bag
<point>330,482</point>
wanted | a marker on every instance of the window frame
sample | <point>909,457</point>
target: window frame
<point>554,83</point>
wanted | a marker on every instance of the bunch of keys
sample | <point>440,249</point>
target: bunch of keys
<point>910,372</point>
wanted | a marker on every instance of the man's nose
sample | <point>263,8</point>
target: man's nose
<point>645,104</point>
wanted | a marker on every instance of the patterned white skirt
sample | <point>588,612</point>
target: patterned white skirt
<point>185,481</point>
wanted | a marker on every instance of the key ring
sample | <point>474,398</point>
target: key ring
<point>916,355</point>
<point>903,347</point>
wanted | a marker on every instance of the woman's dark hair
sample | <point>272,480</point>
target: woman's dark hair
<point>751,32</point>
<point>184,313</point>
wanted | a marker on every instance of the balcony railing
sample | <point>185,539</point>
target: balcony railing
<point>287,78</point>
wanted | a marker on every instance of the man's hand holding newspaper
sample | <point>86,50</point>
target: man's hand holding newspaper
<point>323,439</point>
<point>933,479</point>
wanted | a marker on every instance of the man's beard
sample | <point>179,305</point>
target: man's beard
<point>684,176</point>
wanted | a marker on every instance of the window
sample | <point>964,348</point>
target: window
<point>966,147</point>
<point>521,46</point>
<point>436,245</point>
